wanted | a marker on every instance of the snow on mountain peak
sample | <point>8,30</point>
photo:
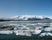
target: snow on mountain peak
<point>25,17</point>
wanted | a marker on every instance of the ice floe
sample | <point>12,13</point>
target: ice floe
<point>6,32</point>
<point>45,34</point>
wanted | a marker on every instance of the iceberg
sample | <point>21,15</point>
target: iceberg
<point>45,34</point>
<point>6,32</point>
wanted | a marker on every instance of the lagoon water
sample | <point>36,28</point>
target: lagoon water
<point>14,36</point>
<point>22,22</point>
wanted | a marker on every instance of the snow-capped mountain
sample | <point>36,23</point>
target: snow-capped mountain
<point>28,18</point>
<point>25,17</point>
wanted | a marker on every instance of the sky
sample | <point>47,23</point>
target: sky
<point>9,8</point>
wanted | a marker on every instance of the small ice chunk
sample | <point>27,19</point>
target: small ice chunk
<point>45,34</point>
<point>48,29</point>
<point>6,32</point>
<point>42,34</point>
<point>36,31</point>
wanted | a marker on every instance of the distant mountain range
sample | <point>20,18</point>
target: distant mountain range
<point>26,18</point>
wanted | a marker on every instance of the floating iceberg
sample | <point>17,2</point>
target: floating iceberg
<point>45,34</point>
<point>6,32</point>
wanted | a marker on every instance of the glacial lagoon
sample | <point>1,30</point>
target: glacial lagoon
<point>25,29</point>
